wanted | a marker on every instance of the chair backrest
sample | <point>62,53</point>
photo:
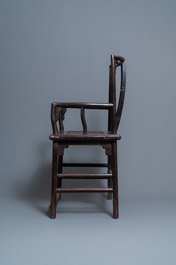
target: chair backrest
<point>116,112</point>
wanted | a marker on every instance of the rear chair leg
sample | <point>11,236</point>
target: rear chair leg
<point>115,181</point>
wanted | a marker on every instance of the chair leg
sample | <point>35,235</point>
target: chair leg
<point>54,180</point>
<point>109,197</point>
<point>115,180</point>
<point>59,181</point>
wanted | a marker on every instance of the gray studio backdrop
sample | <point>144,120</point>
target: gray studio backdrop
<point>60,51</point>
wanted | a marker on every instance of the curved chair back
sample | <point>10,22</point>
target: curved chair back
<point>115,114</point>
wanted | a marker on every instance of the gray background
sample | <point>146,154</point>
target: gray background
<point>60,51</point>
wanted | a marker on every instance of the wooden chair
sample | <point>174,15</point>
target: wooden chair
<point>108,140</point>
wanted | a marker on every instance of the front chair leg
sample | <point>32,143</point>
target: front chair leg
<point>54,181</point>
<point>115,181</point>
<point>59,181</point>
<point>109,197</point>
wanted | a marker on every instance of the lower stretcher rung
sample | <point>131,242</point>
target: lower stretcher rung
<point>84,190</point>
<point>84,176</point>
<point>85,165</point>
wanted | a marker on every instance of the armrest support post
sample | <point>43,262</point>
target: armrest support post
<point>83,121</point>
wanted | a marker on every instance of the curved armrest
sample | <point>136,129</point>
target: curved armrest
<point>58,112</point>
<point>85,105</point>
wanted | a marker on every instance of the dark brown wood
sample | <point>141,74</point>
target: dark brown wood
<point>85,165</point>
<point>84,190</point>
<point>54,180</point>
<point>115,115</point>
<point>80,136</point>
<point>122,95</point>
<point>115,181</point>
<point>107,140</point>
<point>110,181</point>
<point>85,105</point>
<point>61,150</point>
<point>83,121</point>
<point>61,116</point>
<point>84,176</point>
<point>59,181</point>
<point>108,149</point>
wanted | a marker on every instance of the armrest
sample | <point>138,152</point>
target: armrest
<point>58,111</point>
<point>84,105</point>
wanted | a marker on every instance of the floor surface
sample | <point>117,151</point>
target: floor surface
<point>84,232</point>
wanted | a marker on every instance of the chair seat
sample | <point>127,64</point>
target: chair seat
<point>81,137</point>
